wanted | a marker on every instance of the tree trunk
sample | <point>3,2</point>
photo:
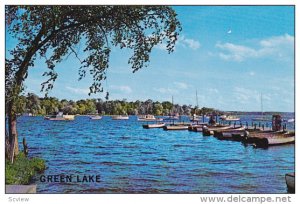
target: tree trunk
<point>12,131</point>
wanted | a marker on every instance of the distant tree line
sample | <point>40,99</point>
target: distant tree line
<point>36,105</point>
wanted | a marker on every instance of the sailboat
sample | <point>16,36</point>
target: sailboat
<point>195,117</point>
<point>178,126</point>
<point>172,115</point>
<point>261,118</point>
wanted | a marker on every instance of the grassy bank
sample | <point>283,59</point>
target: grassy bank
<point>23,169</point>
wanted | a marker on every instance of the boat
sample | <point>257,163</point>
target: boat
<point>60,117</point>
<point>270,138</point>
<point>156,125</point>
<point>226,134</point>
<point>231,118</point>
<point>173,116</point>
<point>120,117</point>
<point>290,182</point>
<point>176,127</point>
<point>262,117</point>
<point>195,117</point>
<point>95,117</point>
<point>148,117</point>
<point>197,127</point>
<point>280,139</point>
<point>210,130</point>
<point>291,120</point>
<point>223,117</point>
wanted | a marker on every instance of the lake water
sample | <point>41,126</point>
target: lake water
<point>130,159</point>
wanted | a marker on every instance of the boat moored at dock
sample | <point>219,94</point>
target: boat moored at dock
<point>155,125</point>
<point>230,118</point>
<point>176,127</point>
<point>227,134</point>
<point>270,138</point>
<point>145,118</point>
<point>276,136</point>
<point>209,130</point>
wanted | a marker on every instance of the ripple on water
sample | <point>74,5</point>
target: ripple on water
<point>131,159</point>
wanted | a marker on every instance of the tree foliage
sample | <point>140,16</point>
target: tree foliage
<point>52,105</point>
<point>53,32</point>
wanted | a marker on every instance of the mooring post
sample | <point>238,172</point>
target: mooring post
<point>25,147</point>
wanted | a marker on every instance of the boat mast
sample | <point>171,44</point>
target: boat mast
<point>261,105</point>
<point>197,99</point>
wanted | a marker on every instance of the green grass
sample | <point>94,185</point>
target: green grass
<point>23,169</point>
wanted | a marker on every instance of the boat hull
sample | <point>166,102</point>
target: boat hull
<point>290,182</point>
<point>120,117</point>
<point>63,118</point>
<point>149,120</point>
<point>210,131</point>
<point>176,127</point>
<point>270,138</point>
<point>230,134</point>
<point>148,126</point>
<point>197,127</point>
<point>95,117</point>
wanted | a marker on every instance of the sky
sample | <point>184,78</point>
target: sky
<point>230,55</point>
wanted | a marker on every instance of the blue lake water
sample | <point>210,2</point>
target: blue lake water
<point>130,159</point>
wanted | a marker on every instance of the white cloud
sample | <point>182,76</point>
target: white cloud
<point>78,90</point>
<point>243,95</point>
<point>124,88</point>
<point>213,91</point>
<point>183,42</point>
<point>188,42</point>
<point>161,46</point>
<point>277,47</point>
<point>235,52</point>
<point>166,90</point>
<point>251,73</point>
<point>181,85</point>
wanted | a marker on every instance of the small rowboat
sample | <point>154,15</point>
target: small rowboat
<point>207,131</point>
<point>227,133</point>
<point>230,118</point>
<point>196,127</point>
<point>146,118</point>
<point>270,138</point>
<point>157,125</point>
<point>290,182</point>
<point>176,127</point>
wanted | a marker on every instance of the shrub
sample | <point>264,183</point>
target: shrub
<point>23,169</point>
